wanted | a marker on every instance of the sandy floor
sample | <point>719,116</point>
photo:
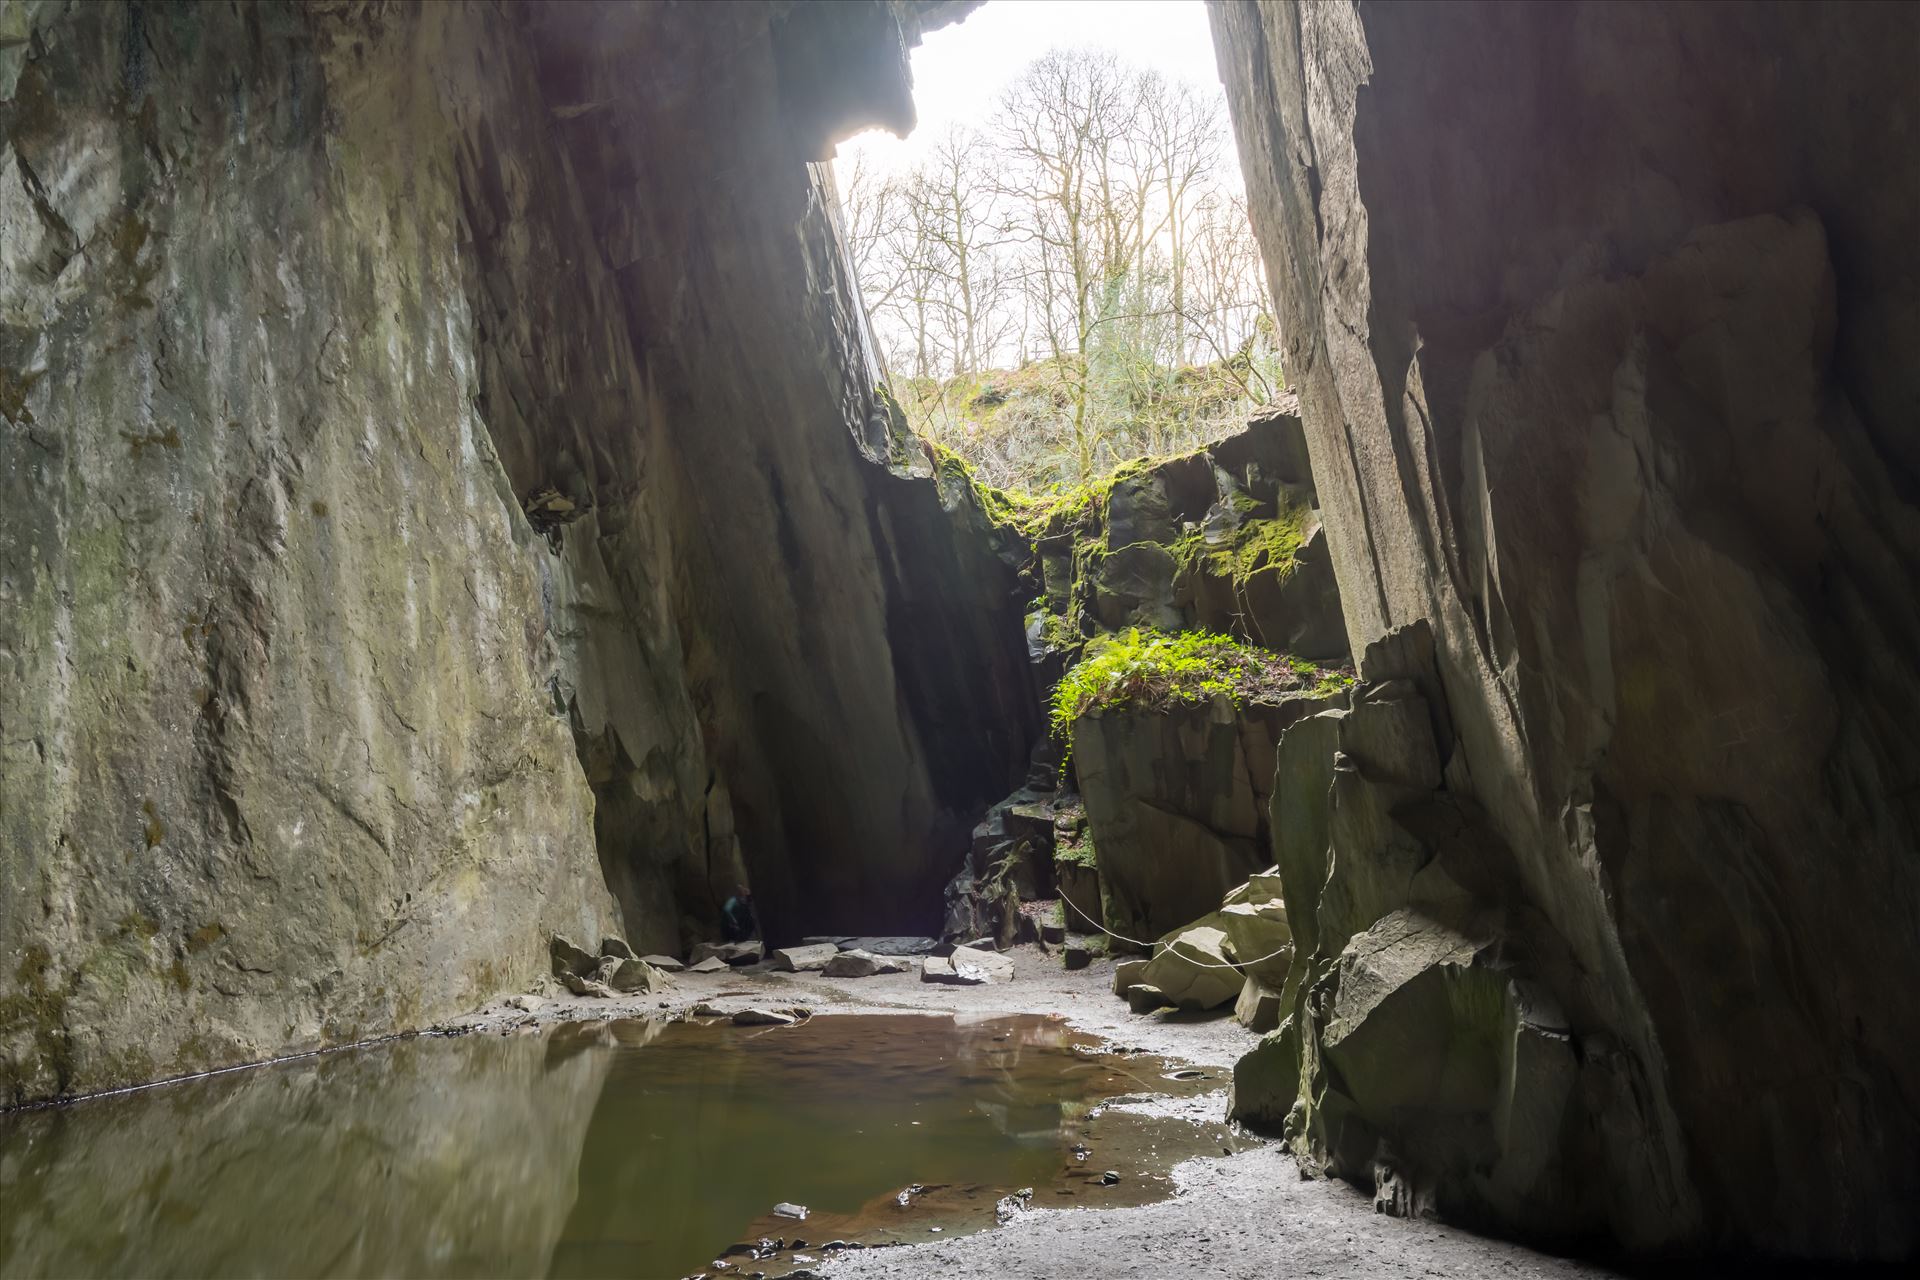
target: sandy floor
<point>1246,1215</point>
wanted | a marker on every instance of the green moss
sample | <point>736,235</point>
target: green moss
<point>1075,851</point>
<point>38,1009</point>
<point>1156,669</point>
<point>135,922</point>
<point>1257,546</point>
<point>15,386</point>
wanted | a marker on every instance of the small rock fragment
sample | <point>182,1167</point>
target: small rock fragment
<point>1076,956</point>
<point>526,1004</point>
<point>587,986</point>
<point>786,1209</point>
<point>712,964</point>
<point>1054,933</point>
<point>1010,1207</point>
<point>764,1018</point>
<point>1108,1178</point>
<point>1142,998</point>
<point>805,959</point>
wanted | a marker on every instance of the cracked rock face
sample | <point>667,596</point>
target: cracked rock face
<point>1600,375</point>
<point>444,502</point>
<point>278,764</point>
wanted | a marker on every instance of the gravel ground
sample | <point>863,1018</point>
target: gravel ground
<point>1246,1215</point>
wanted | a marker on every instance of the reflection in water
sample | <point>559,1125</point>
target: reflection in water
<point>626,1148</point>
<point>424,1157</point>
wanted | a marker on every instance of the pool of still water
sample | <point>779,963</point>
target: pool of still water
<point>639,1149</point>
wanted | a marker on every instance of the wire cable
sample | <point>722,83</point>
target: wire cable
<point>1198,964</point>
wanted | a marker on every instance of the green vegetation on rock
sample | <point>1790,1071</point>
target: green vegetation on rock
<point>1154,669</point>
<point>1254,546</point>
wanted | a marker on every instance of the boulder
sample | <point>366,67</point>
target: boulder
<point>570,959</point>
<point>1194,968</point>
<point>806,958</point>
<point>1076,956</point>
<point>940,969</point>
<point>1266,884</point>
<point>1079,887</point>
<point>628,976</point>
<point>665,964</point>
<point>1142,998</point>
<point>1126,975</point>
<point>1266,1082</point>
<point>1258,1008</point>
<point>1053,934</point>
<point>967,967</point>
<point>864,964</point>
<point>616,947</point>
<point>1261,939</point>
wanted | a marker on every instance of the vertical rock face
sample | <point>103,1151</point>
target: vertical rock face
<point>1601,319</point>
<point>845,641</point>
<point>280,764</point>
<point>443,499</point>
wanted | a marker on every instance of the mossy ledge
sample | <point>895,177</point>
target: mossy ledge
<point>1154,670</point>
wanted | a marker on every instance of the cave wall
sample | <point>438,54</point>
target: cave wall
<point>280,762</point>
<point>446,500</point>
<point>1602,320</point>
<point>846,625</point>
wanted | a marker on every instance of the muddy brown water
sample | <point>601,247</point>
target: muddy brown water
<point>626,1148</point>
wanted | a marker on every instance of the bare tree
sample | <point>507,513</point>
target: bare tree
<point>1090,235</point>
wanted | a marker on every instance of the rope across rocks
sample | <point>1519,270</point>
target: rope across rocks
<point>1198,964</point>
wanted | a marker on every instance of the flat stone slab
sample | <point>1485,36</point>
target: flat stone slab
<point>712,964</point>
<point>764,1018</point>
<point>865,964</point>
<point>665,964</point>
<point>731,952</point>
<point>806,958</point>
<point>891,946</point>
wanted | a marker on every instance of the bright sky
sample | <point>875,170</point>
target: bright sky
<point>960,70</point>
